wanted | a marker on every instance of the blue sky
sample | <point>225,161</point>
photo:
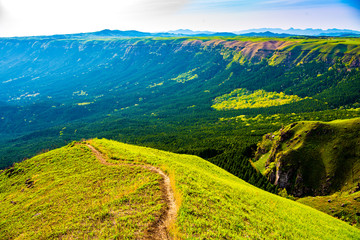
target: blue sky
<point>36,17</point>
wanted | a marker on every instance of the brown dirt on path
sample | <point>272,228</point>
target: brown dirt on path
<point>159,229</point>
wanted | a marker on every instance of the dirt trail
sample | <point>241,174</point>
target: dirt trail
<point>160,229</point>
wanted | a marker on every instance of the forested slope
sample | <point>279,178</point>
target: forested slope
<point>159,92</point>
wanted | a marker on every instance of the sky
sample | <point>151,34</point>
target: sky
<point>47,17</point>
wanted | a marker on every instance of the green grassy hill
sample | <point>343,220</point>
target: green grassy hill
<point>68,193</point>
<point>342,205</point>
<point>312,158</point>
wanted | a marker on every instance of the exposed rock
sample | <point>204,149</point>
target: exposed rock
<point>12,171</point>
<point>357,188</point>
<point>29,183</point>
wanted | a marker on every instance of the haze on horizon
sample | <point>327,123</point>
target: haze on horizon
<point>44,17</point>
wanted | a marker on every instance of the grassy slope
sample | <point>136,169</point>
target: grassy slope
<point>337,144</point>
<point>75,197</point>
<point>321,150</point>
<point>216,205</point>
<point>343,205</point>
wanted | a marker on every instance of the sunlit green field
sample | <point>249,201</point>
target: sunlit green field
<point>241,99</point>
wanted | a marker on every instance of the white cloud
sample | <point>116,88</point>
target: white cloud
<point>36,17</point>
<point>29,17</point>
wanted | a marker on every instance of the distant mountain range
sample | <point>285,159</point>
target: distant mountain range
<point>260,32</point>
<point>278,32</point>
<point>106,33</point>
<point>306,32</point>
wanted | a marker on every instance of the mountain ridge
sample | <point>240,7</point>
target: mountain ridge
<point>304,32</point>
<point>204,194</point>
<point>258,32</point>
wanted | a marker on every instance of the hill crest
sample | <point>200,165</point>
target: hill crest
<point>212,203</point>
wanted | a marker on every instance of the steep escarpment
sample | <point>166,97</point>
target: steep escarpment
<point>32,67</point>
<point>77,78</point>
<point>312,158</point>
<point>286,51</point>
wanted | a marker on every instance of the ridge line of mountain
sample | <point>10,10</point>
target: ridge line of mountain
<point>260,32</point>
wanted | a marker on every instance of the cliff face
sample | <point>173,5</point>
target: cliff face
<point>36,65</point>
<point>313,158</point>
